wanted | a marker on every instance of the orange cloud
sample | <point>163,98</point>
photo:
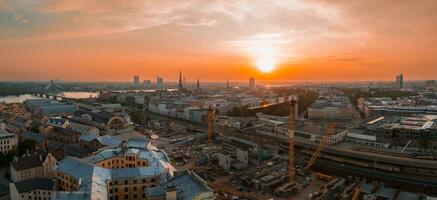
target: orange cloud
<point>308,40</point>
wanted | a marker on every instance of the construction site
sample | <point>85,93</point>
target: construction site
<point>266,161</point>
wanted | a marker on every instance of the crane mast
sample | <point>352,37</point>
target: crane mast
<point>209,120</point>
<point>291,128</point>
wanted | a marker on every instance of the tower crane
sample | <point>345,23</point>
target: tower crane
<point>210,120</point>
<point>291,128</point>
<point>356,194</point>
<point>316,154</point>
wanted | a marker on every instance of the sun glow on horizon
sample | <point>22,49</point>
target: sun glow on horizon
<point>265,60</point>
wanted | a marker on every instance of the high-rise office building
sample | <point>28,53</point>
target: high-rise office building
<point>159,83</point>
<point>147,83</point>
<point>252,82</point>
<point>400,81</point>
<point>136,79</point>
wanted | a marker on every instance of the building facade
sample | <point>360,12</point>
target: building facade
<point>33,189</point>
<point>38,164</point>
<point>7,140</point>
<point>114,173</point>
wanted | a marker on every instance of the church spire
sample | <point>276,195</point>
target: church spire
<point>180,80</point>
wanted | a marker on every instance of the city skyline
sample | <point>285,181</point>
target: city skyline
<point>215,40</point>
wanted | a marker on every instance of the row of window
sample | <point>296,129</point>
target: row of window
<point>4,141</point>
<point>131,158</point>
<point>126,182</point>
<point>8,147</point>
<point>38,197</point>
<point>126,197</point>
<point>110,164</point>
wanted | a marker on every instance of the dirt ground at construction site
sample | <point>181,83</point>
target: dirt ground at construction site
<point>226,190</point>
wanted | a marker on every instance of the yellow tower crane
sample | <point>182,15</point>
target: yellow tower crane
<point>316,154</point>
<point>210,120</point>
<point>291,128</point>
<point>356,194</point>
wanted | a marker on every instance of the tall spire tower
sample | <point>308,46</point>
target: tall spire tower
<point>180,81</point>
<point>198,85</point>
<point>227,83</point>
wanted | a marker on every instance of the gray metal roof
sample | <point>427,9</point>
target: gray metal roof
<point>155,192</point>
<point>388,193</point>
<point>34,184</point>
<point>29,135</point>
<point>188,185</point>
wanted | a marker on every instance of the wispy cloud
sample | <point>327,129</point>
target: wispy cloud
<point>20,19</point>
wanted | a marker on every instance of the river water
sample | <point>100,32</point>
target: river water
<point>71,95</point>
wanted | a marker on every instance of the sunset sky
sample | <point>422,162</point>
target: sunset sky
<point>271,40</point>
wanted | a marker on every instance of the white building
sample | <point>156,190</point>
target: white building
<point>228,122</point>
<point>243,156</point>
<point>140,99</point>
<point>224,161</point>
<point>7,140</point>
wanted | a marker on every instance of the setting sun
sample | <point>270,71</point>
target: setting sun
<point>265,59</point>
<point>265,65</point>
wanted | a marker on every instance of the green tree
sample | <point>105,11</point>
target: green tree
<point>34,128</point>
<point>137,117</point>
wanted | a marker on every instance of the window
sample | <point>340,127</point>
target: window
<point>126,189</point>
<point>126,182</point>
